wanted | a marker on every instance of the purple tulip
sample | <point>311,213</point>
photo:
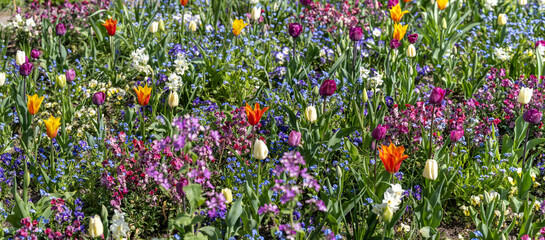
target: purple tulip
<point>456,135</point>
<point>394,44</point>
<point>98,98</point>
<point>70,75</point>
<point>26,69</point>
<point>532,116</point>
<point>328,88</point>
<point>392,3</point>
<point>35,53</point>
<point>355,34</point>
<point>60,29</point>
<point>305,2</point>
<point>437,95</point>
<point>540,43</point>
<point>413,38</point>
<point>380,132</point>
<point>295,29</point>
<point>180,186</point>
<point>295,138</point>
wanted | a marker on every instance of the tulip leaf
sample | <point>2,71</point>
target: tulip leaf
<point>193,192</point>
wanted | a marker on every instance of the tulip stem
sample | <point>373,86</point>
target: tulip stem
<point>525,145</point>
<point>431,129</point>
<point>51,161</point>
<point>323,106</point>
<point>142,125</point>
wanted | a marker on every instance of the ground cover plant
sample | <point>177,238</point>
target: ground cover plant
<point>273,119</point>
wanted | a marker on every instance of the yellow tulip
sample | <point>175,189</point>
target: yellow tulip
<point>399,31</point>
<point>52,125</point>
<point>33,103</point>
<point>143,94</point>
<point>442,4</point>
<point>396,14</point>
<point>238,25</point>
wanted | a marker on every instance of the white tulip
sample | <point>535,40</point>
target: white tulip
<point>502,19</point>
<point>95,227</point>
<point>193,26</point>
<point>411,51</point>
<point>2,78</point>
<point>523,2</point>
<point>431,169</point>
<point>173,99</point>
<point>525,95</point>
<point>256,13</point>
<point>154,27</point>
<point>20,58</point>
<point>260,150</point>
<point>310,114</point>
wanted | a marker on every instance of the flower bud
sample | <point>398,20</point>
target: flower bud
<point>355,34</point>
<point>95,227</point>
<point>295,29</point>
<point>173,99</point>
<point>61,80</point>
<point>2,79</point>
<point>328,88</point>
<point>20,58</point>
<point>154,27</point>
<point>192,26</point>
<point>228,194</point>
<point>162,25</point>
<point>316,91</point>
<point>339,172</point>
<point>26,178</point>
<point>437,95</point>
<point>387,214</point>
<point>256,13</point>
<point>525,95</point>
<point>456,135</point>
<point>260,150</point>
<point>70,75</point>
<point>444,23</point>
<point>365,97</point>
<point>60,29</point>
<point>26,69</point>
<point>523,2</point>
<point>411,51</point>
<point>99,98</point>
<point>35,53</point>
<point>532,116</point>
<point>431,169</point>
<point>502,19</point>
<point>379,132</point>
<point>294,139</point>
<point>310,114</point>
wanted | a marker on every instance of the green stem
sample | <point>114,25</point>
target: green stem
<point>525,145</point>
<point>431,129</point>
<point>142,124</point>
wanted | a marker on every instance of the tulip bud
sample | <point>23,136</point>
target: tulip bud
<point>95,227</point>
<point>26,69</point>
<point>413,38</point>
<point>444,23</point>
<point>162,25</point>
<point>328,88</point>
<point>20,58</point>
<point>154,27</point>
<point>525,95</point>
<point>305,2</point>
<point>70,75</point>
<point>523,2</point>
<point>431,169</point>
<point>387,214</point>
<point>310,114</point>
<point>26,178</point>
<point>294,139</point>
<point>173,99</point>
<point>61,80</point>
<point>365,97</point>
<point>256,13</point>
<point>379,132</point>
<point>193,26</point>
<point>456,135</point>
<point>437,95</point>
<point>228,195</point>
<point>295,29</point>
<point>532,116</point>
<point>260,150</point>
<point>316,91</point>
<point>2,78</point>
<point>411,51</point>
<point>355,34</point>
<point>339,172</point>
<point>35,53</point>
<point>60,29</point>
<point>99,98</point>
<point>502,19</point>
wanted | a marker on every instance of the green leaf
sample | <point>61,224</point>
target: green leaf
<point>193,192</point>
<point>234,213</point>
<point>212,232</point>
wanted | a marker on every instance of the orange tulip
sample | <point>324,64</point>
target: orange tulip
<point>238,25</point>
<point>184,2</point>
<point>407,1</point>
<point>110,25</point>
<point>254,115</point>
<point>143,94</point>
<point>399,31</point>
<point>33,103</point>
<point>392,157</point>
<point>52,125</point>
<point>396,14</point>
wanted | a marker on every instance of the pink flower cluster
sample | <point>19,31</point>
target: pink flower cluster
<point>318,14</point>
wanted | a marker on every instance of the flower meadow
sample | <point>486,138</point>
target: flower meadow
<point>273,119</point>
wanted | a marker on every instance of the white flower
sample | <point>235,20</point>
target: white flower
<point>377,32</point>
<point>181,64</point>
<point>140,60</point>
<point>377,208</point>
<point>254,1</point>
<point>475,200</point>
<point>404,227</point>
<point>364,72</point>
<point>392,200</point>
<point>501,54</point>
<point>396,189</point>
<point>119,228</point>
<point>490,4</point>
